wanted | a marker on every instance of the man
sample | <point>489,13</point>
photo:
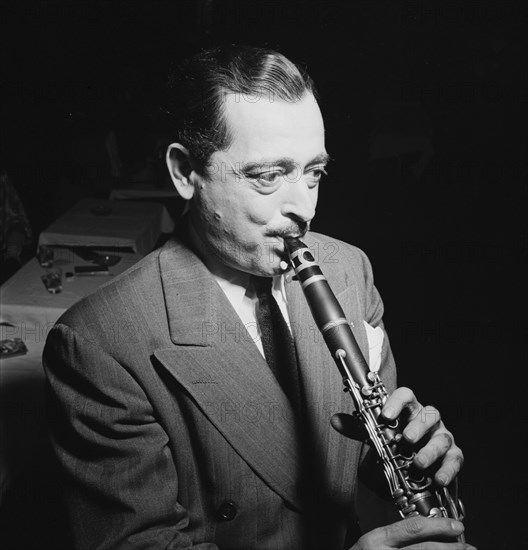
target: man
<point>171,428</point>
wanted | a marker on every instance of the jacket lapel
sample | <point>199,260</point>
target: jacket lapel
<point>216,361</point>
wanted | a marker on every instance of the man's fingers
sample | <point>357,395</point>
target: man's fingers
<point>440,546</point>
<point>453,461</point>
<point>416,533</point>
<point>436,447</point>
<point>399,399</point>
<point>418,421</point>
<point>422,422</point>
<point>419,528</point>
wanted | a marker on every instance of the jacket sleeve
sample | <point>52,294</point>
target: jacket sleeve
<point>121,484</point>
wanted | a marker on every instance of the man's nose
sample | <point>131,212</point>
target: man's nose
<point>300,201</point>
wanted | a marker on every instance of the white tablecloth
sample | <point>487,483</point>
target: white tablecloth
<point>32,310</point>
<point>129,225</point>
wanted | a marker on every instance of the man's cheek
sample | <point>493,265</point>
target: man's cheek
<point>261,217</point>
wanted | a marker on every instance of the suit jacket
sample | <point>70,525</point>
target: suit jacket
<point>170,428</point>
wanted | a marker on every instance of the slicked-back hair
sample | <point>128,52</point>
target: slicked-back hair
<point>197,90</point>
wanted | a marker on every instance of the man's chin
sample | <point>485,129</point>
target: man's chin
<point>278,254</point>
<point>276,263</point>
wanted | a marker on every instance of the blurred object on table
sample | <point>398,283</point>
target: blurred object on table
<point>127,225</point>
<point>52,279</point>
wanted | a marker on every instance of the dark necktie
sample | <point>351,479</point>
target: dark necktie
<point>277,341</point>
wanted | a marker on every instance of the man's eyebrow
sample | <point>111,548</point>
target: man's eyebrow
<point>323,158</point>
<point>284,162</point>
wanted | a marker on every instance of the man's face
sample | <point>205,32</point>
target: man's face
<point>264,186</point>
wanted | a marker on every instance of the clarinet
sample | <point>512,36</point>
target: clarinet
<point>412,492</point>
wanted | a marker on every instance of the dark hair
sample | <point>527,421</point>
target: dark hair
<point>196,90</point>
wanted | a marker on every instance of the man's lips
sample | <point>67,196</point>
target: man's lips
<point>294,231</point>
<point>296,234</point>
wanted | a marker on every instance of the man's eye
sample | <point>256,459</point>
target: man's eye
<point>270,177</point>
<point>318,173</point>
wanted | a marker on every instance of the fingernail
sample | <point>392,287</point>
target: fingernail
<point>411,434</point>
<point>457,526</point>
<point>389,413</point>
<point>442,479</point>
<point>420,461</point>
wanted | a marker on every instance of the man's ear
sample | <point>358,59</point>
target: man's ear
<point>180,170</point>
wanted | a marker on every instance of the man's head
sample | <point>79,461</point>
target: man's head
<point>198,87</point>
<point>249,155</point>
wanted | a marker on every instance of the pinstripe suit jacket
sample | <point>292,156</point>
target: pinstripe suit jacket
<point>172,432</point>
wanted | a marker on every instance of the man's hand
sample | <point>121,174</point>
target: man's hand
<point>417,533</point>
<point>423,428</point>
<point>423,423</point>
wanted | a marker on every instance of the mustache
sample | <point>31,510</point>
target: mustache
<point>296,230</point>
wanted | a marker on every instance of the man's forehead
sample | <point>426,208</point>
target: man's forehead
<point>262,128</point>
<point>238,105</point>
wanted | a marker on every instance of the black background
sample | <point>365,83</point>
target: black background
<point>447,244</point>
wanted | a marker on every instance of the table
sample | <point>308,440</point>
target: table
<point>31,312</point>
<point>130,225</point>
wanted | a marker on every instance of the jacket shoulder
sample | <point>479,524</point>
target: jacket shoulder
<point>339,257</point>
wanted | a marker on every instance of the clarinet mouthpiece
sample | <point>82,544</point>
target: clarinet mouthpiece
<point>293,244</point>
